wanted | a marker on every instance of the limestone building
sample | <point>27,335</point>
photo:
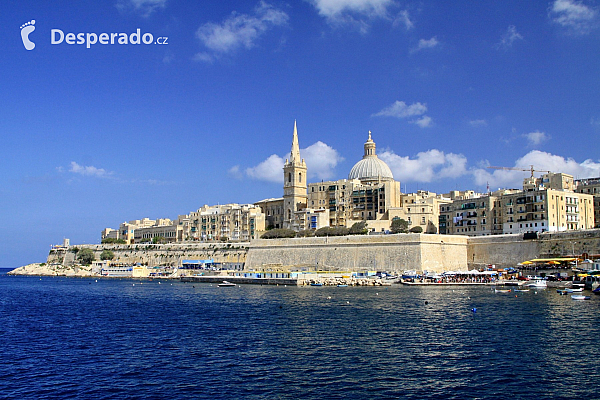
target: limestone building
<point>592,187</point>
<point>546,204</point>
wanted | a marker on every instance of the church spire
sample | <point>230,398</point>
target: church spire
<point>295,153</point>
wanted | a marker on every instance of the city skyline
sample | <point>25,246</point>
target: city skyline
<point>96,136</point>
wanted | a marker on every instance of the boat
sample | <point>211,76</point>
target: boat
<point>538,283</point>
<point>596,291</point>
<point>562,291</point>
<point>342,285</point>
<point>579,297</point>
<point>316,284</point>
<point>226,284</point>
<point>575,289</point>
<point>521,290</point>
<point>502,290</point>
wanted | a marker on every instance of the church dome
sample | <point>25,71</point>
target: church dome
<point>370,167</point>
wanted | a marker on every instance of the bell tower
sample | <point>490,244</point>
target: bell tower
<point>294,184</point>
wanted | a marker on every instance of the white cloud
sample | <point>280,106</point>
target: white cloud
<point>509,37</point>
<point>573,15</point>
<point>426,167</point>
<point>404,19</point>
<point>354,13</point>
<point>235,172</point>
<point>423,122</point>
<point>335,8</point>
<point>238,31</point>
<point>270,170</point>
<point>399,109</point>
<point>87,171</point>
<point>426,44</point>
<point>536,138</point>
<point>541,161</point>
<point>320,159</point>
<point>143,7</point>
<point>478,123</point>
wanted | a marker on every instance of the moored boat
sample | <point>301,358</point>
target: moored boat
<point>226,284</point>
<point>579,297</point>
<point>538,283</point>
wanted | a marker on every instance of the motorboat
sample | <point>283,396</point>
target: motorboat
<point>502,290</point>
<point>226,284</point>
<point>574,290</point>
<point>579,297</point>
<point>538,283</point>
<point>596,291</point>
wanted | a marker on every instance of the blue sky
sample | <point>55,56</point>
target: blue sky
<point>96,136</point>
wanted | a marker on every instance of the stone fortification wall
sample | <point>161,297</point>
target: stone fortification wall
<point>503,251</point>
<point>569,243</point>
<point>393,253</point>
<point>159,254</point>
<point>509,250</point>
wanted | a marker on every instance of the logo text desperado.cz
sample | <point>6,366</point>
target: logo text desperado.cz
<point>57,36</point>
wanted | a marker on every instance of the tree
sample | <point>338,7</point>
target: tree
<point>278,233</point>
<point>399,225</point>
<point>305,233</point>
<point>359,228</point>
<point>332,231</point>
<point>107,255</point>
<point>113,241</point>
<point>86,256</point>
<point>416,229</point>
<point>159,240</point>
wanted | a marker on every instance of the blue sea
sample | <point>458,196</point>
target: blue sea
<point>142,339</point>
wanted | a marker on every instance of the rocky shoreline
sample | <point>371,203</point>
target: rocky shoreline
<point>44,269</point>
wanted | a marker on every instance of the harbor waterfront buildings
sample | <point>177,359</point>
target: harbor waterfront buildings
<point>554,202</point>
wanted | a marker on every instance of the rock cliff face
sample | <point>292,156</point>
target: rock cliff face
<point>163,254</point>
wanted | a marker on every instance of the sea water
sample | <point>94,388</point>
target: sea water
<point>123,338</point>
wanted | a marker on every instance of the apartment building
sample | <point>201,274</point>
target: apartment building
<point>230,222</point>
<point>592,187</point>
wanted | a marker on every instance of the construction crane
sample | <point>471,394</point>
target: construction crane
<point>520,169</point>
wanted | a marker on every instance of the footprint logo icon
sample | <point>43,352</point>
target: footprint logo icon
<point>26,29</point>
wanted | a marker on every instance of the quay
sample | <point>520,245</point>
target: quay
<point>296,281</point>
<point>239,280</point>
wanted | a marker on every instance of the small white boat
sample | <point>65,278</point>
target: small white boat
<point>521,290</point>
<point>574,290</point>
<point>502,290</point>
<point>226,284</point>
<point>579,297</point>
<point>538,283</point>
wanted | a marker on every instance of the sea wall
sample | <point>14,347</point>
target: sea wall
<point>509,250</point>
<point>393,253</point>
<point>503,251</point>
